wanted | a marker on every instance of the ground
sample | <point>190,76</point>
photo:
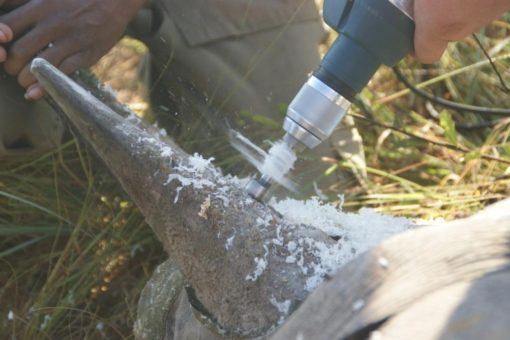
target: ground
<point>75,252</point>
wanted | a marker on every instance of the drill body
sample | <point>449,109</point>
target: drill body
<point>371,33</point>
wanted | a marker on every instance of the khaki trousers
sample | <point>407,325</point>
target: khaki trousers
<point>244,82</point>
<point>25,127</point>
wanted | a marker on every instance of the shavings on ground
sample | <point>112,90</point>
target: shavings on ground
<point>356,233</point>
<point>366,227</point>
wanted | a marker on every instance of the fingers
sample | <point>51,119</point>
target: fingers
<point>15,23</point>
<point>23,18</point>
<point>68,66</point>
<point>56,54</point>
<point>6,33</point>
<point>428,49</point>
<point>429,35</point>
<point>34,92</point>
<point>432,18</point>
<point>5,37</point>
<point>31,45</point>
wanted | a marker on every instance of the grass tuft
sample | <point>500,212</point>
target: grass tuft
<point>74,255</point>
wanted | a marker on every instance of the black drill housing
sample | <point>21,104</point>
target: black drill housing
<point>372,32</point>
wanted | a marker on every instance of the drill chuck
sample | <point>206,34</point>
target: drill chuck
<point>372,32</point>
<point>314,113</point>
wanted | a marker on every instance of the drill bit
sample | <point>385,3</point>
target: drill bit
<point>279,161</point>
<point>273,166</point>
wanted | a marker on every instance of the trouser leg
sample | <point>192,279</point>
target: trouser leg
<point>25,127</point>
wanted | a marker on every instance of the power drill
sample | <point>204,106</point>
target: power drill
<point>371,33</point>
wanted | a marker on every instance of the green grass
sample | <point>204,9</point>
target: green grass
<point>73,249</point>
<point>76,252</point>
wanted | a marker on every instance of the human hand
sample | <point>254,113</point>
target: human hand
<point>5,37</point>
<point>6,34</point>
<point>439,22</point>
<point>71,34</point>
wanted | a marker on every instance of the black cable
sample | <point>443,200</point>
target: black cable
<point>477,126</point>
<point>464,126</point>
<point>372,122</point>
<point>448,103</point>
<point>472,126</point>
<point>360,104</point>
<point>494,68</point>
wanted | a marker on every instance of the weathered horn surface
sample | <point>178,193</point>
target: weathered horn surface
<point>231,249</point>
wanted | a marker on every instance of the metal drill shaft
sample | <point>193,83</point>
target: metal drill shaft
<point>258,187</point>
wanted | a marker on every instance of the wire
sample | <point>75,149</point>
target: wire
<point>458,106</point>
<point>371,122</point>
<point>432,112</point>
<point>448,103</point>
<point>494,68</point>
